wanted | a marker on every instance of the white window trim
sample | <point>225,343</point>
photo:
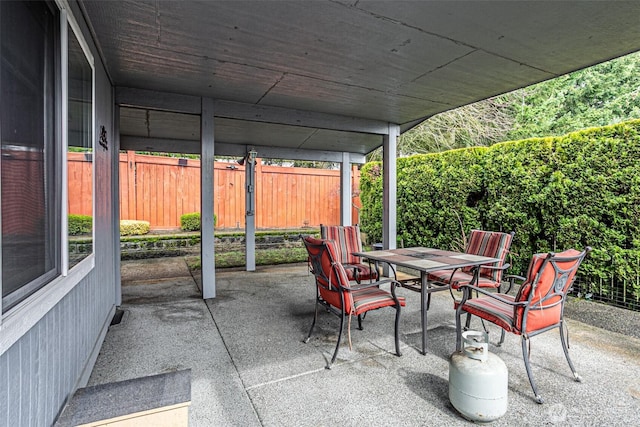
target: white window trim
<point>21,318</point>
<point>67,19</point>
<point>64,142</point>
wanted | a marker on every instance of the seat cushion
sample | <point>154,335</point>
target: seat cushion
<point>459,278</point>
<point>373,298</point>
<point>491,244</point>
<point>547,313</point>
<point>347,238</point>
<point>492,310</point>
<point>360,272</point>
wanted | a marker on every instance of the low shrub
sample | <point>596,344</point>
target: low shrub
<point>80,224</point>
<point>130,227</point>
<point>191,221</point>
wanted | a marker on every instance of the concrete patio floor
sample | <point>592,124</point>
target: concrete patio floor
<point>250,367</point>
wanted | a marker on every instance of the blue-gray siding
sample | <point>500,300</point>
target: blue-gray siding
<point>41,369</point>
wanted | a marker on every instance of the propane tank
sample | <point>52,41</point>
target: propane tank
<point>478,380</point>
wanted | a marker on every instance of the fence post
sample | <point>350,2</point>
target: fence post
<point>355,195</point>
<point>131,180</point>
<point>259,198</point>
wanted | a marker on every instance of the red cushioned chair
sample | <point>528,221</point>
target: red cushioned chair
<point>484,243</point>
<point>537,307</point>
<point>342,298</point>
<point>348,241</point>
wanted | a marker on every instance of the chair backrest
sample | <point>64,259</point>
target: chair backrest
<point>347,239</point>
<point>329,273</point>
<point>545,289</point>
<point>492,244</point>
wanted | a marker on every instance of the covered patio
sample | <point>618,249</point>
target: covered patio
<point>250,367</point>
<point>325,80</point>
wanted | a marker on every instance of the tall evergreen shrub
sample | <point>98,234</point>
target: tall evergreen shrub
<point>555,193</point>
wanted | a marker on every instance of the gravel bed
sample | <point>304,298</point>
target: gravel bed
<point>604,316</point>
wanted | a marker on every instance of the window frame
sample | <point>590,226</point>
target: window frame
<point>50,160</point>
<point>70,22</point>
<point>31,308</point>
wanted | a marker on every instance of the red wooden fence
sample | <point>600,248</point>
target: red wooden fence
<point>160,189</point>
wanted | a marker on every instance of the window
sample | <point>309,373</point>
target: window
<point>80,155</point>
<point>30,204</point>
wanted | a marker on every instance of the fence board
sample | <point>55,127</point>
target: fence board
<point>80,183</point>
<point>161,189</point>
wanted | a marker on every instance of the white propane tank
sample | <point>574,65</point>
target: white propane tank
<point>478,380</point>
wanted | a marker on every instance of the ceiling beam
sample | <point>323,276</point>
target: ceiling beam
<point>154,100</point>
<point>165,101</point>
<point>292,117</point>
<point>159,145</point>
<point>185,146</point>
<point>287,153</point>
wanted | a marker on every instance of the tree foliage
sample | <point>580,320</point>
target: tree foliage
<point>601,95</point>
<point>480,124</point>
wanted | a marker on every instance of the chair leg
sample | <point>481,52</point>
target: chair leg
<point>335,353</point>
<point>397,335</point>
<point>458,330</point>
<point>501,339</point>
<point>527,365</point>
<point>313,324</point>
<point>360,318</point>
<point>467,323</point>
<point>565,347</point>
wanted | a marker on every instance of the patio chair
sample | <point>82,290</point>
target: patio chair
<point>536,308</point>
<point>343,298</point>
<point>348,240</point>
<point>484,243</point>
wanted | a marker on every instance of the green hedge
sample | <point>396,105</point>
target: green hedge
<point>555,193</point>
<point>80,224</point>
<point>132,227</point>
<point>437,194</point>
<point>191,221</point>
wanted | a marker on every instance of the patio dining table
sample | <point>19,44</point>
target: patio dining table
<point>425,260</point>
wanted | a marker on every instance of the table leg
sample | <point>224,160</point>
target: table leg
<point>424,308</point>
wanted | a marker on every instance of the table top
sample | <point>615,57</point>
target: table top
<point>427,259</point>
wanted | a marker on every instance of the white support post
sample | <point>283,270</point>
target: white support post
<point>389,180</point>
<point>115,209</point>
<point>345,190</point>
<point>250,212</point>
<point>207,239</point>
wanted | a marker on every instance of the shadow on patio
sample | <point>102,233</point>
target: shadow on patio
<point>250,366</point>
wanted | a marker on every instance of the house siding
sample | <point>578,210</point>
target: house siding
<point>41,370</point>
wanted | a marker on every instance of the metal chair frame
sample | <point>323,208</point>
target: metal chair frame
<point>557,291</point>
<point>321,276</point>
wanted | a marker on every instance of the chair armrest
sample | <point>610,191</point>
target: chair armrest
<point>372,285</point>
<point>511,278</point>
<point>495,267</point>
<point>393,283</point>
<point>355,270</point>
<point>468,288</point>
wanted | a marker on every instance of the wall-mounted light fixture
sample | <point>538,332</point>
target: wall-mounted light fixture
<point>250,180</point>
<point>251,155</point>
